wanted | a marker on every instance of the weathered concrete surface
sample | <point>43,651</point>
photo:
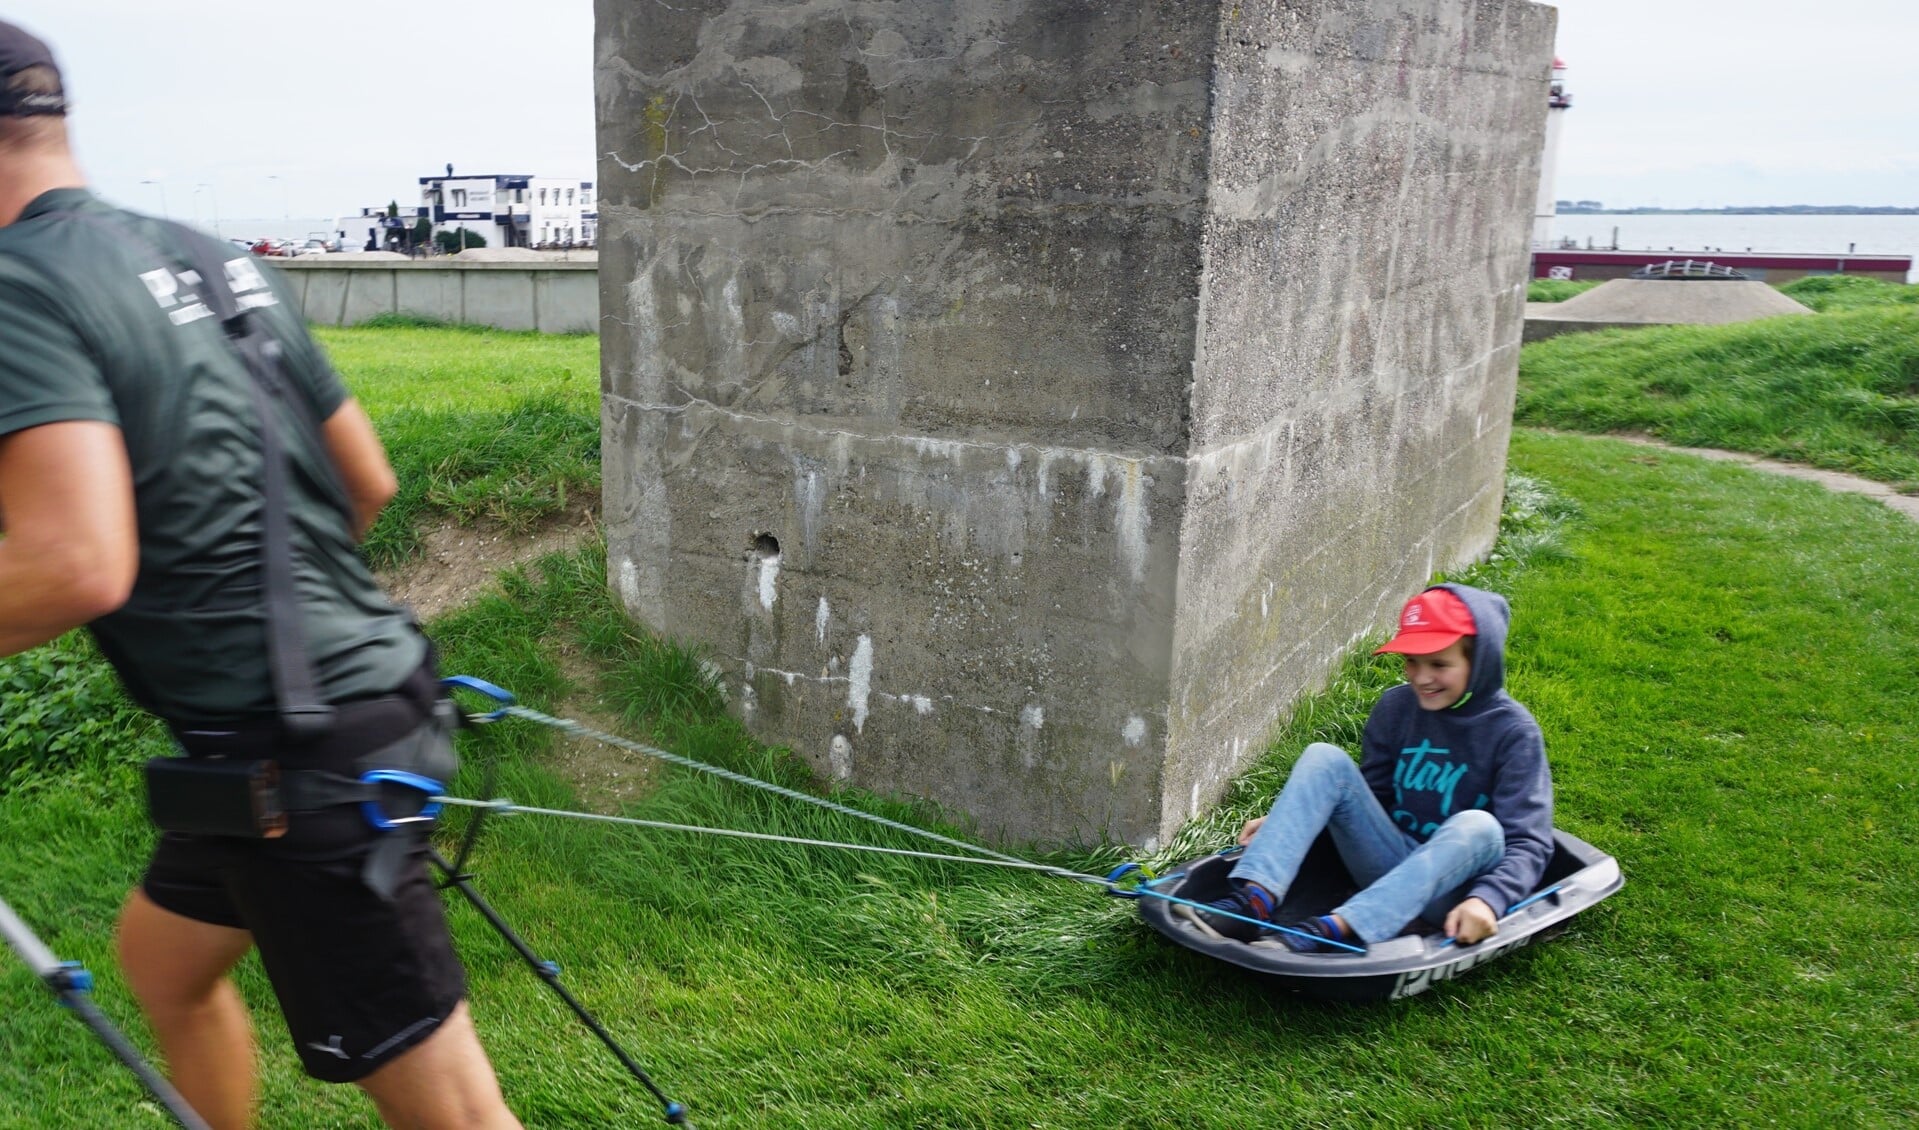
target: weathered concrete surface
<point>1374,167</point>
<point>1025,401</point>
<point>1624,303</point>
<point>552,297</point>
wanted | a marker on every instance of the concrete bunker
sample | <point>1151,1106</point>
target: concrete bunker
<point>1628,303</point>
<point>1093,374</point>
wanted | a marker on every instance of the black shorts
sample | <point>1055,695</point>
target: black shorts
<point>360,978</point>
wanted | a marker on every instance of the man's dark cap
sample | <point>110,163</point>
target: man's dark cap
<point>18,51</point>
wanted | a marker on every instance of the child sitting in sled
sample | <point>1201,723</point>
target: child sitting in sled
<point>1447,815</point>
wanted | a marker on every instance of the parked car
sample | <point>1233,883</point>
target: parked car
<point>307,247</point>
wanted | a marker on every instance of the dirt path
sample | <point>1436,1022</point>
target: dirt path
<point>458,563</point>
<point>457,566</point>
<point>1832,480</point>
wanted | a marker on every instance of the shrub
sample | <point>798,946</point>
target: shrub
<point>62,714</point>
<point>458,239</point>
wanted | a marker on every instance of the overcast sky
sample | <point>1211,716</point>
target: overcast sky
<point>263,108</point>
<point>1715,102</point>
<point>347,102</point>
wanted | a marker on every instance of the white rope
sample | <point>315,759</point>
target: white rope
<point>985,856</point>
<point>508,808</point>
<point>572,727</point>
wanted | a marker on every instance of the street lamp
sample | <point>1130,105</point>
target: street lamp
<point>212,197</point>
<point>163,198</point>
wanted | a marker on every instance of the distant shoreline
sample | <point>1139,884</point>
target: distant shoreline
<point>1764,210</point>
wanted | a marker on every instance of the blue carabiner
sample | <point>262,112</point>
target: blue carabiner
<point>376,816</point>
<point>497,694</point>
<point>1141,877</point>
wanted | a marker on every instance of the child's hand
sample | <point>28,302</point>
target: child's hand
<point>1471,921</point>
<point>1252,827</point>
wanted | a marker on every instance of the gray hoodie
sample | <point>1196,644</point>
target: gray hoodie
<point>1485,751</point>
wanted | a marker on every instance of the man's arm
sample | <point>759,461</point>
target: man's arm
<point>72,546</point>
<point>361,461</point>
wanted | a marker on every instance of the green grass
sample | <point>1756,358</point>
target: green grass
<point>481,425</point>
<point>433,368</point>
<point>1849,292</point>
<point>1558,290</point>
<point>1721,662</point>
<point>1839,391</point>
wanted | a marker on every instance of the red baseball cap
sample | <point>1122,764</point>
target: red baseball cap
<point>1430,622</point>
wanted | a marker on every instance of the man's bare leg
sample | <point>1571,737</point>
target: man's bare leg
<point>443,1083</point>
<point>177,967</point>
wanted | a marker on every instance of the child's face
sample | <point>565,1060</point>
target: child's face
<point>1441,677</point>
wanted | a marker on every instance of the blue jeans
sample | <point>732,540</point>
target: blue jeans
<point>1399,877</point>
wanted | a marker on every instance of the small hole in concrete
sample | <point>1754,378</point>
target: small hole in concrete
<point>766,545</point>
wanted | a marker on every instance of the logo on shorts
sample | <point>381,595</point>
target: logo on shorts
<point>331,1047</point>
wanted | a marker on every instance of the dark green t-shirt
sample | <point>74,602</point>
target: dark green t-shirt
<point>99,320</point>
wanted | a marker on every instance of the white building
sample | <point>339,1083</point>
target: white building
<point>511,210</point>
<point>1558,101</point>
<point>374,230</point>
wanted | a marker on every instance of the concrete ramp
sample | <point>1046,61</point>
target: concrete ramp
<point>1658,302</point>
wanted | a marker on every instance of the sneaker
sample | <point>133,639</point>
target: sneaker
<point>1217,918</point>
<point>1312,935</point>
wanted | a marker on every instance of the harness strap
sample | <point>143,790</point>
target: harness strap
<point>304,714</point>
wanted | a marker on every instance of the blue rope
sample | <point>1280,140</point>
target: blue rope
<point>1147,891</point>
<point>1516,908</point>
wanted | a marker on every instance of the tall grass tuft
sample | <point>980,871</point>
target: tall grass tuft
<point>512,468</point>
<point>482,425</point>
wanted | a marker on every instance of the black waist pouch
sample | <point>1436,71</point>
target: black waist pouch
<point>216,797</point>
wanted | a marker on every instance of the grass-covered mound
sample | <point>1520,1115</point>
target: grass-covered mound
<point>1839,391</point>
<point>1849,292</point>
<point>1558,290</point>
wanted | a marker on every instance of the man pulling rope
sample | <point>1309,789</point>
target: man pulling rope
<point>182,472</point>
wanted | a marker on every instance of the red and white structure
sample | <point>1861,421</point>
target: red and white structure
<point>1558,102</point>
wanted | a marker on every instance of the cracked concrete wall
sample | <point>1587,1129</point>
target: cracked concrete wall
<point>1373,165</point>
<point>921,343</point>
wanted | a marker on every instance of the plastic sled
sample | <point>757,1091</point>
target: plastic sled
<point>1578,876</point>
